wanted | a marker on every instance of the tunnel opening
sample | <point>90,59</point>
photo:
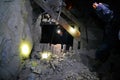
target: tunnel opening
<point>50,35</point>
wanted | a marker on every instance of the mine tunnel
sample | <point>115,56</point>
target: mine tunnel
<point>59,40</point>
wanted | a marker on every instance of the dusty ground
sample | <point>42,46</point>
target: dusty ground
<point>63,66</point>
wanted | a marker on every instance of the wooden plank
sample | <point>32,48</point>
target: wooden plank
<point>70,16</point>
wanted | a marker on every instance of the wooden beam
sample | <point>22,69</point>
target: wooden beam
<point>61,21</point>
<point>71,17</point>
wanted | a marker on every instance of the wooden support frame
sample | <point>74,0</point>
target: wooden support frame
<point>61,21</point>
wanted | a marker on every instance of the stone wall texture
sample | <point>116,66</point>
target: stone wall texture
<point>15,26</point>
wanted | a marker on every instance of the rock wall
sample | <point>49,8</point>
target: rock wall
<point>91,33</point>
<point>15,26</point>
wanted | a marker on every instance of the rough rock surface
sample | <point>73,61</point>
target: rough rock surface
<point>15,25</point>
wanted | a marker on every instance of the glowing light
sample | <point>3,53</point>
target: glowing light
<point>45,55</point>
<point>58,31</point>
<point>25,49</point>
<point>72,30</point>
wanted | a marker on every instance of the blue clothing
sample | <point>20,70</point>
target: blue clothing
<point>104,12</point>
<point>106,15</point>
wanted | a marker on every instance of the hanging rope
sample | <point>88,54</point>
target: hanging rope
<point>60,10</point>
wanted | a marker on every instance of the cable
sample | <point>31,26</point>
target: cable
<point>60,10</point>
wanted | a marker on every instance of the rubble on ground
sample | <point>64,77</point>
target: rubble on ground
<point>62,66</point>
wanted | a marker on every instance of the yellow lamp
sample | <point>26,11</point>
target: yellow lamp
<point>25,49</point>
<point>45,55</point>
<point>72,30</point>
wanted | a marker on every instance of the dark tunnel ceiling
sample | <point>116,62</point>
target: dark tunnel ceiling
<point>80,7</point>
<point>86,5</point>
<point>83,8</point>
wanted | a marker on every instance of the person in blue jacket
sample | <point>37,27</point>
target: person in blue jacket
<point>103,11</point>
<point>106,15</point>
